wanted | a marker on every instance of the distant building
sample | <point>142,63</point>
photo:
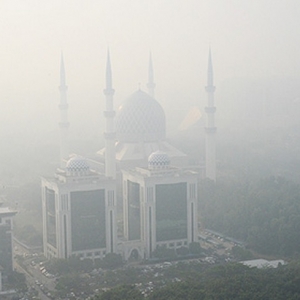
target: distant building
<point>160,207</point>
<point>6,237</point>
<point>141,130</point>
<point>79,212</point>
<point>263,263</point>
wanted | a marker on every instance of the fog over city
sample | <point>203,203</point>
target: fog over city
<point>254,44</point>
<point>149,149</point>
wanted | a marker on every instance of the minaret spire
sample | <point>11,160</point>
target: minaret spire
<point>210,129</point>
<point>109,114</point>
<point>150,84</point>
<point>63,107</point>
<point>108,73</point>
<point>210,73</point>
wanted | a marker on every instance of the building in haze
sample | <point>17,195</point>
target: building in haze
<point>141,130</point>
<point>139,168</point>
<point>79,204</point>
<point>6,240</point>
<point>79,212</point>
<point>159,207</point>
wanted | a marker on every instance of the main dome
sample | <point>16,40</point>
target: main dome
<point>140,119</point>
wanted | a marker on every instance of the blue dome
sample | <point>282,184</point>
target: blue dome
<point>77,164</point>
<point>158,160</point>
<point>140,119</point>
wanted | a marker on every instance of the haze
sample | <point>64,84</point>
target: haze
<point>251,41</point>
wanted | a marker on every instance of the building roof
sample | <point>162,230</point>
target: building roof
<point>141,151</point>
<point>5,211</point>
<point>140,119</point>
<point>77,165</point>
<point>158,159</point>
<point>263,263</point>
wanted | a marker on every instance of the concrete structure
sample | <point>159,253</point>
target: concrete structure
<point>159,207</point>
<point>6,246</point>
<point>6,236</point>
<point>151,84</point>
<point>263,263</point>
<point>158,190</point>
<point>63,107</point>
<point>109,135</point>
<point>210,129</point>
<point>140,130</point>
<point>79,212</point>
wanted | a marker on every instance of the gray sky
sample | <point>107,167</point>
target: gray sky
<point>249,38</point>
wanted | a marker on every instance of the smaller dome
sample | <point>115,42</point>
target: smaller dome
<point>158,160</point>
<point>77,165</point>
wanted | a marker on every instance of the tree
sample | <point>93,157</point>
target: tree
<point>17,281</point>
<point>163,252</point>
<point>262,212</point>
<point>70,265</point>
<point>123,292</point>
<point>241,253</point>
<point>195,248</point>
<point>112,261</point>
<point>182,251</point>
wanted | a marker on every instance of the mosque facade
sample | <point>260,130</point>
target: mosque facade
<point>158,190</point>
<point>159,207</point>
<point>79,212</point>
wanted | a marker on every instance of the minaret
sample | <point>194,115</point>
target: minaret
<point>150,84</point>
<point>210,129</point>
<point>63,107</point>
<point>109,135</point>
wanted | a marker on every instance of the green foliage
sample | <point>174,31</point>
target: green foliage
<point>264,213</point>
<point>182,251</point>
<point>123,292</point>
<point>234,281</point>
<point>69,282</point>
<point>163,252</point>
<point>178,291</point>
<point>71,265</point>
<point>17,281</point>
<point>111,261</point>
<point>195,248</point>
<point>241,253</point>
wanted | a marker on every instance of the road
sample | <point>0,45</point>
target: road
<point>30,280</point>
<point>32,273</point>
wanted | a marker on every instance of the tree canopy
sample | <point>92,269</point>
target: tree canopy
<point>226,282</point>
<point>265,213</point>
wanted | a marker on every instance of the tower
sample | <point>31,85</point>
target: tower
<point>78,203</point>
<point>79,212</point>
<point>109,135</point>
<point>6,240</point>
<point>210,129</point>
<point>159,206</point>
<point>150,84</point>
<point>63,107</point>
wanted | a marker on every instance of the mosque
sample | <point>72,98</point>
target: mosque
<point>157,189</point>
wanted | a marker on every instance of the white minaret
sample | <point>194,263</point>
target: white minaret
<point>63,107</point>
<point>150,84</point>
<point>210,129</point>
<point>109,135</point>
